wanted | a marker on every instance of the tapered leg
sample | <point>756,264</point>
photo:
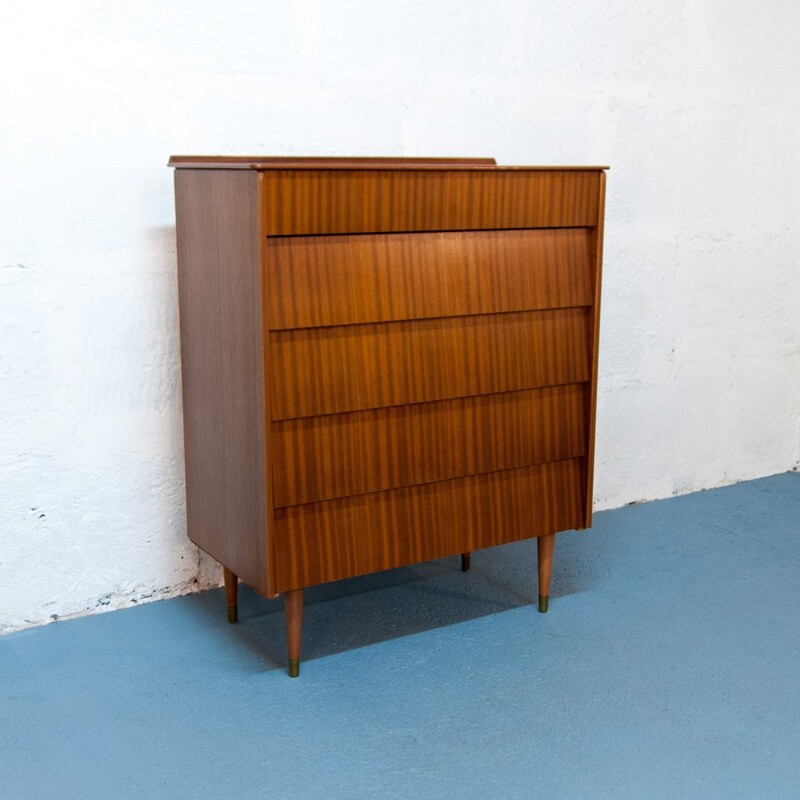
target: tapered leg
<point>465,559</point>
<point>545,547</point>
<point>231,594</point>
<point>293,606</point>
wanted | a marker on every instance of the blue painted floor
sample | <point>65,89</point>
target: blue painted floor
<point>668,666</point>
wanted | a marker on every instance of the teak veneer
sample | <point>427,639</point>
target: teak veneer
<point>384,361</point>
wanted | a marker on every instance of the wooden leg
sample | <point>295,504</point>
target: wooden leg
<point>231,594</point>
<point>545,547</point>
<point>293,606</point>
<point>465,559</point>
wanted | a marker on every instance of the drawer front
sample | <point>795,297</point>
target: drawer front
<point>335,539</point>
<point>317,371</point>
<point>299,202</point>
<point>321,458</point>
<point>338,280</point>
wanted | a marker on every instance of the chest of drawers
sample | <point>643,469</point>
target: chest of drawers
<point>384,361</point>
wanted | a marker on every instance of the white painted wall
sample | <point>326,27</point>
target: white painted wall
<point>696,106</point>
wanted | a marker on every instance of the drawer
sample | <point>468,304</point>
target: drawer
<point>300,202</point>
<point>317,371</point>
<point>335,539</point>
<point>339,280</point>
<point>338,455</point>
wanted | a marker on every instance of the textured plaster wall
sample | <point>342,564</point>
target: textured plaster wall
<point>696,106</point>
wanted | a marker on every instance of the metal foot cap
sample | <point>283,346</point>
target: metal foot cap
<point>294,667</point>
<point>233,615</point>
<point>543,598</point>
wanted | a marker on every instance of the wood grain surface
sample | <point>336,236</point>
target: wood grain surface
<point>336,280</point>
<point>298,202</point>
<point>305,162</point>
<point>330,370</point>
<point>384,361</point>
<point>339,538</point>
<point>594,327</point>
<point>219,276</point>
<point>320,458</point>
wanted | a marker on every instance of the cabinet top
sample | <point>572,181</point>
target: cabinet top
<point>331,163</point>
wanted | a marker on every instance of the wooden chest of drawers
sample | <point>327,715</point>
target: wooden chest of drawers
<point>384,361</point>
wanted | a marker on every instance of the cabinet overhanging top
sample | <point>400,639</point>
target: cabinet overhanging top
<point>326,163</point>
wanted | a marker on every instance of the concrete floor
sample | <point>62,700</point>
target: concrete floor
<point>668,666</point>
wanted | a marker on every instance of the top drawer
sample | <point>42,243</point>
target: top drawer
<point>297,202</point>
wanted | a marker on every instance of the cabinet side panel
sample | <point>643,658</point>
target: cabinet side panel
<point>219,275</point>
<point>591,411</point>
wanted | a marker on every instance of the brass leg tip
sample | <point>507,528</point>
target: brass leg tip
<point>233,615</point>
<point>543,598</point>
<point>294,667</point>
<point>465,563</point>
